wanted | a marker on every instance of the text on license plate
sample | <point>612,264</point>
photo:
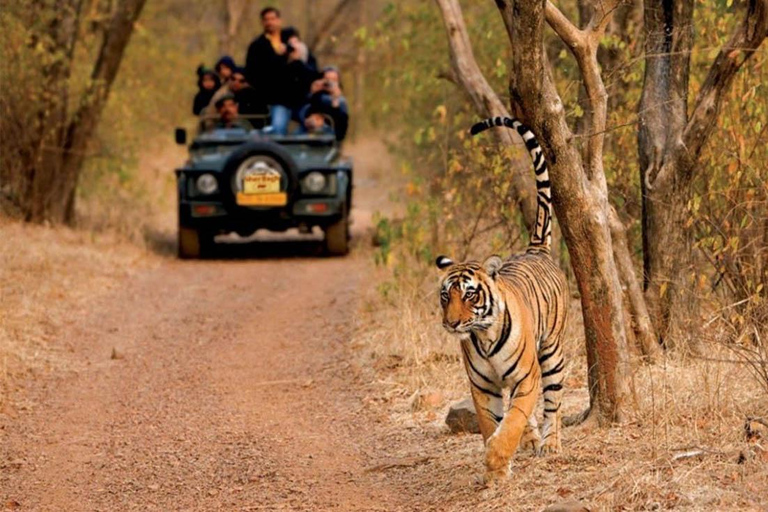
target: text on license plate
<point>261,183</point>
<point>274,199</point>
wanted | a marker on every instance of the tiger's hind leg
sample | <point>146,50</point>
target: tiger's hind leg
<point>531,437</point>
<point>552,373</point>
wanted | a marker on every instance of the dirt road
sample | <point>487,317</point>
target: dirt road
<point>215,385</point>
<point>230,391</point>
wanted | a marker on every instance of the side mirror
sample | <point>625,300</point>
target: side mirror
<point>181,136</point>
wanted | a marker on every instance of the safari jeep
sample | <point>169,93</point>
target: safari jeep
<point>239,181</point>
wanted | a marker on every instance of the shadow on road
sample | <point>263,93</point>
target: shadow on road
<point>261,246</point>
<point>267,249</point>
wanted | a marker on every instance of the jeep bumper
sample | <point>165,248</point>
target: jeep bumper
<point>214,216</point>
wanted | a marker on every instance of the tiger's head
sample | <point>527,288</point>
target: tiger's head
<point>468,294</point>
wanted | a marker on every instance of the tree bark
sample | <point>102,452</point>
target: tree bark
<point>487,103</point>
<point>638,317</point>
<point>669,144</point>
<point>579,188</point>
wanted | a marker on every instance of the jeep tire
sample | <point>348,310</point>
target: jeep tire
<point>336,241</point>
<point>193,243</point>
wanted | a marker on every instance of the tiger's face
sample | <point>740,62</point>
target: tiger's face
<point>467,292</point>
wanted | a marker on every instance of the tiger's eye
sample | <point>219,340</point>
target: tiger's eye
<point>470,296</point>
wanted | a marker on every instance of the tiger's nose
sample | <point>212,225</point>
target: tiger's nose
<point>452,325</point>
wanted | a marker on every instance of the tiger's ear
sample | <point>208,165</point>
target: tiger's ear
<point>443,262</point>
<point>492,266</point>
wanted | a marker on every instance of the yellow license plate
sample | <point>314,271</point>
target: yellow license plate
<point>261,184</point>
<point>274,199</point>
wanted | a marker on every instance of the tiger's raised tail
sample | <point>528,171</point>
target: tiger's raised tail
<point>541,238</point>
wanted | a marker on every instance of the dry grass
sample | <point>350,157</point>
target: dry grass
<point>139,209</point>
<point>681,406</point>
<point>48,277</point>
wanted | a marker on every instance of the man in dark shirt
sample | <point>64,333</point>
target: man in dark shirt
<point>300,73</point>
<point>266,67</point>
<point>248,99</point>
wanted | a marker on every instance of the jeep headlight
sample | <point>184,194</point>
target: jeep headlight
<point>315,182</point>
<point>207,184</point>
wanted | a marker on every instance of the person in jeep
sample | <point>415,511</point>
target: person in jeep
<point>249,102</point>
<point>266,67</point>
<point>280,82</point>
<point>229,117</point>
<point>207,85</point>
<point>326,98</point>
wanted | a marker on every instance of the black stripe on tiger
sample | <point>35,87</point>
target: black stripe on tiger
<point>541,236</point>
<point>504,334</point>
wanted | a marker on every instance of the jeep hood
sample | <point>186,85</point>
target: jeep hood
<point>210,151</point>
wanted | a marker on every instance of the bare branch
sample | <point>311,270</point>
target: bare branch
<point>450,75</point>
<point>605,11</point>
<point>467,73</point>
<point>642,325</point>
<point>743,43</point>
<point>567,31</point>
<point>583,44</point>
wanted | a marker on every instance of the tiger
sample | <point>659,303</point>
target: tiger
<point>510,316</point>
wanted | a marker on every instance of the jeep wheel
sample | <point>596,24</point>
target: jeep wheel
<point>337,237</point>
<point>193,243</point>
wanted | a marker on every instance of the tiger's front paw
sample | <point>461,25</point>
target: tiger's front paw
<point>496,460</point>
<point>490,479</point>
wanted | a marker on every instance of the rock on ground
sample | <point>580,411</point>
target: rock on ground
<point>462,417</point>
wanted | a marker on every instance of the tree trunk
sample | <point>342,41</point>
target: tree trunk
<point>579,188</point>
<point>636,313</point>
<point>55,175</point>
<point>487,103</point>
<point>669,144</point>
<point>638,316</point>
<point>42,199</point>
<point>663,115</point>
